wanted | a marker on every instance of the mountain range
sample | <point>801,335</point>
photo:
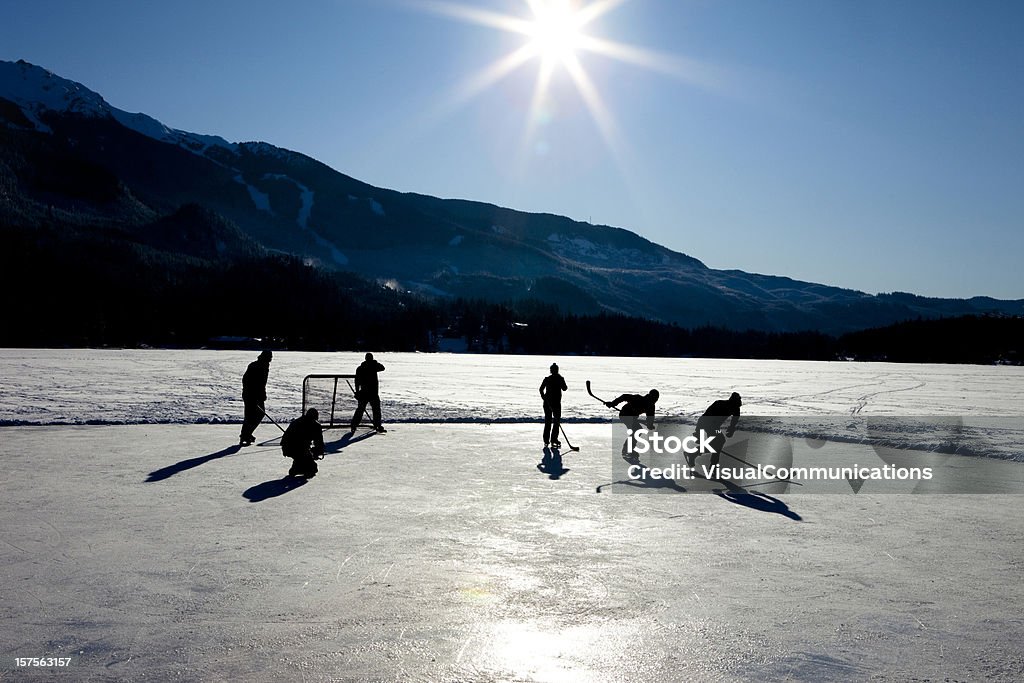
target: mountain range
<point>65,151</point>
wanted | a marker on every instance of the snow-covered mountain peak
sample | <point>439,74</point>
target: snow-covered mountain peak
<point>36,90</point>
<point>150,127</point>
<point>267,150</point>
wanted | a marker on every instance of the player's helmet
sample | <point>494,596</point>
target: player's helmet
<point>313,414</point>
<point>369,356</point>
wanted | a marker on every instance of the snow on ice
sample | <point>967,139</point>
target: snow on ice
<point>49,386</point>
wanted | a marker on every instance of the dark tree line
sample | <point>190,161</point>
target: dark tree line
<point>69,288</point>
<point>530,327</point>
<point>963,339</point>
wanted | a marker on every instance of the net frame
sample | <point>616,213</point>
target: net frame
<point>339,412</point>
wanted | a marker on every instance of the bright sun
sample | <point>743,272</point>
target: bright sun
<point>556,37</point>
<point>555,31</point>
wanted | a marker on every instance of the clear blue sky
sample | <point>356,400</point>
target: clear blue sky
<point>877,145</point>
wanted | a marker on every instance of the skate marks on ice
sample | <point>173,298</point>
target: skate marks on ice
<point>809,666</point>
<point>862,401</point>
<point>849,398</point>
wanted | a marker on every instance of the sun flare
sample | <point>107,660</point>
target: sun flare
<point>555,32</point>
<point>557,38</point>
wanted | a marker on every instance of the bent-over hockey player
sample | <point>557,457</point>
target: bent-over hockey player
<point>635,406</point>
<point>303,442</point>
<point>711,423</point>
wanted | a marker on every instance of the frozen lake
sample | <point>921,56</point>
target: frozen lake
<point>79,386</point>
<point>440,552</point>
<point>153,547</point>
<point>93,386</point>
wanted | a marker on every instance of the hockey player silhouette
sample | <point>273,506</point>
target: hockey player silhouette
<point>368,392</point>
<point>254,396</point>
<point>711,423</point>
<point>303,442</point>
<point>635,405</point>
<point>551,392</point>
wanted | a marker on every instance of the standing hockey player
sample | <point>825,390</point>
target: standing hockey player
<point>634,406</point>
<point>303,442</point>
<point>254,396</point>
<point>551,393</point>
<point>711,423</point>
<point>368,392</point>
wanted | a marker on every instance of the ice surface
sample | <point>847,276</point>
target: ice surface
<point>441,553</point>
<point>58,386</point>
<point>450,551</point>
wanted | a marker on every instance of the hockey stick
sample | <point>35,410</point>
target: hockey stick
<point>650,425</point>
<point>356,396</point>
<point>272,419</point>
<point>592,394</point>
<point>571,447</point>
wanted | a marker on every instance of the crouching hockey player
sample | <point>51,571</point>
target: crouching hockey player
<point>303,442</point>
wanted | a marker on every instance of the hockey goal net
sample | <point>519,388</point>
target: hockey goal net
<point>332,396</point>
